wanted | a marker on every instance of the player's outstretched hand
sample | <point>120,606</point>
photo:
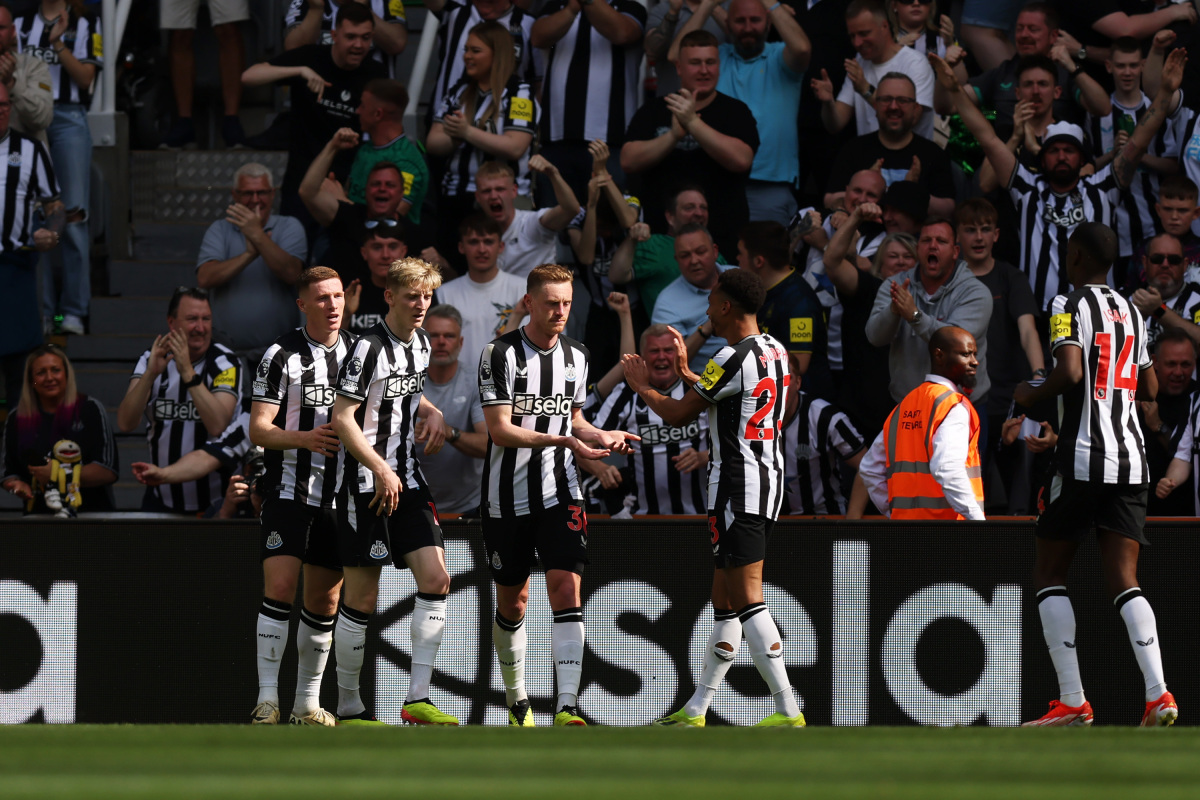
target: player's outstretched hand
<point>617,441</point>
<point>387,493</point>
<point>681,358</point>
<point>146,474</point>
<point>322,440</point>
<point>583,450</point>
<point>637,376</point>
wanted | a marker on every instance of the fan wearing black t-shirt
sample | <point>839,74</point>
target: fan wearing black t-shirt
<point>327,83</point>
<point>695,136</point>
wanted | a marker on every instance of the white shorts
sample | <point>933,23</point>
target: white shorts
<point>177,15</point>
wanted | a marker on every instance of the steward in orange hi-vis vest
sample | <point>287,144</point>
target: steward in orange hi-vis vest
<point>912,490</point>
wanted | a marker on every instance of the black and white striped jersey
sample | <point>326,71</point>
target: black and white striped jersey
<point>746,383</point>
<point>1100,438</point>
<point>387,377</point>
<point>1186,304</point>
<point>591,88</point>
<point>390,11</point>
<point>518,111</point>
<point>1135,219</point>
<point>83,39</point>
<point>297,375</point>
<point>174,428</point>
<point>457,20</point>
<point>661,488</point>
<point>28,178</point>
<point>815,442</point>
<point>1047,219</point>
<point>544,387</point>
<point>1188,448</point>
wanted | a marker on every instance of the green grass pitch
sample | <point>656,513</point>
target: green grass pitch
<point>231,762</point>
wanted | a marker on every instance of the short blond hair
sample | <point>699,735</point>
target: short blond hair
<point>415,273</point>
<point>547,273</point>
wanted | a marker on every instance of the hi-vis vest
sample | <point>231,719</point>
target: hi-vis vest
<point>913,492</point>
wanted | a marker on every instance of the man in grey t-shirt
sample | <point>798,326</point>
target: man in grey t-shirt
<point>454,473</point>
<point>250,262</point>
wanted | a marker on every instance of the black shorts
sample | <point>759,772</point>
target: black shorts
<point>1070,509</point>
<point>558,534</point>
<point>738,539</point>
<point>370,540</point>
<point>292,528</point>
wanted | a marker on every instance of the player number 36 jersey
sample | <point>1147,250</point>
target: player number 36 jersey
<point>746,383</point>
<point>544,387</point>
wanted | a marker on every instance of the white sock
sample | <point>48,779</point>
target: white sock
<point>727,629</point>
<point>1143,636</point>
<point>566,643</point>
<point>314,638</point>
<point>509,640</point>
<point>428,622</point>
<point>1058,626</point>
<point>766,649</point>
<point>350,644</point>
<point>272,639</point>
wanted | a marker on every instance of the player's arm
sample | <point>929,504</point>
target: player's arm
<point>471,443</point>
<point>1067,372</point>
<point>1147,387</point>
<point>191,467</point>
<point>505,433</point>
<point>615,441</point>
<point>387,484</point>
<point>674,412</point>
<point>1030,342</point>
<point>265,433</point>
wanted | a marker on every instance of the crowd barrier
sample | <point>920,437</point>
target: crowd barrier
<point>885,623</point>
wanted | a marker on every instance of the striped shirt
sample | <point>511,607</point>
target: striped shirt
<point>1100,439</point>
<point>297,376</point>
<point>744,383</point>
<point>815,442</point>
<point>1189,447</point>
<point>83,39</point>
<point>1135,212</point>
<point>591,88</point>
<point>543,387</point>
<point>457,20</point>
<point>1046,220</point>
<point>518,111</point>
<point>390,11</point>
<point>174,428</point>
<point>387,377</point>
<point>28,178</point>
<point>233,444</point>
<point>661,488</point>
<point>1186,304</point>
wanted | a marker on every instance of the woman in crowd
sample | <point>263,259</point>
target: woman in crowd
<point>50,409</point>
<point>490,114</point>
<point>860,394</point>
<point>67,37</point>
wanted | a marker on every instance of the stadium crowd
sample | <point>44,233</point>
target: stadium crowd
<point>885,173</point>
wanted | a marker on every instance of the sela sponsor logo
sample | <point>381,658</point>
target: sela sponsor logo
<point>1067,218</point>
<point>404,385</point>
<point>530,405</point>
<point>51,690</point>
<point>665,434</point>
<point>316,395</point>
<point>169,410</point>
